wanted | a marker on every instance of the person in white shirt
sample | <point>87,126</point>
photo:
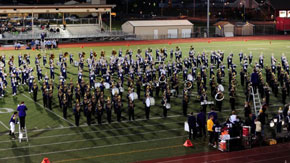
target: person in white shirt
<point>258,131</point>
<point>147,106</point>
<point>233,117</point>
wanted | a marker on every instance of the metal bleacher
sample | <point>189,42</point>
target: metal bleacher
<point>74,32</point>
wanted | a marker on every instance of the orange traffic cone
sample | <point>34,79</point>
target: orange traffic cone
<point>187,143</point>
<point>208,41</point>
<point>82,46</point>
<point>45,160</point>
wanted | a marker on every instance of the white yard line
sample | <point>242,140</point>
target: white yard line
<point>3,124</point>
<point>81,133</point>
<point>48,110</point>
<point>88,148</point>
<point>81,140</point>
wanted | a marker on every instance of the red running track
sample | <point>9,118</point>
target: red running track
<point>270,154</point>
<point>168,41</point>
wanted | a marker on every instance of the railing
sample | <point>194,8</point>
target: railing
<point>30,36</point>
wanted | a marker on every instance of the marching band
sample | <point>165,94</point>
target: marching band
<point>143,73</point>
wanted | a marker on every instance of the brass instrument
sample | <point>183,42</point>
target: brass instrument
<point>65,54</point>
<point>219,96</point>
<point>139,51</point>
<point>188,85</point>
<point>94,54</point>
<point>39,56</point>
<point>102,53</point>
<point>114,52</point>
<point>52,56</point>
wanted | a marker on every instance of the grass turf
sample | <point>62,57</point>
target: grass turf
<point>125,141</point>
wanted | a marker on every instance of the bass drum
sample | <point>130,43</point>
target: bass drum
<point>190,77</point>
<point>135,95</point>
<point>221,87</point>
<point>98,85</point>
<point>107,85</point>
<point>121,89</point>
<point>152,101</point>
<point>115,91</point>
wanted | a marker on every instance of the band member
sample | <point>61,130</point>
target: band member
<point>77,112</point>
<point>99,111</point>
<point>119,108</point>
<point>109,110</point>
<point>131,110</point>
<point>164,103</point>
<point>44,95</point>
<point>185,102</point>
<point>50,96</point>
<point>203,98</point>
<point>232,99</point>
<point>219,97</point>
<point>147,106</point>
<point>13,85</point>
<point>64,106</point>
<point>89,112</point>
<point>35,90</point>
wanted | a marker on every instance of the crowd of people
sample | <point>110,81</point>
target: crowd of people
<point>154,75</point>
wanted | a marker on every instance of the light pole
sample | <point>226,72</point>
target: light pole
<point>207,25</point>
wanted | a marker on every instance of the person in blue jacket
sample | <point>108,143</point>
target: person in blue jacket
<point>22,114</point>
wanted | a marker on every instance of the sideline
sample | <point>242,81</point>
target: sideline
<point>81,140</point>
<point>87,148</point>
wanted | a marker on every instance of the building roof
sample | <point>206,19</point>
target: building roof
<point>222,23</point>
<point>55,9</point>
<point>55,6</point>
<point>150,23</point>
<point>280,4</point>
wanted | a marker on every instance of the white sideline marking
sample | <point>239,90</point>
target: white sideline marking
<point>87,148</point>
<point>81,140</point>
<point>4,125</point>
<point>115,129</point>
<point>48,110</point>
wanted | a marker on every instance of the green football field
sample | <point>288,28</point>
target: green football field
<point>58,139</point>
